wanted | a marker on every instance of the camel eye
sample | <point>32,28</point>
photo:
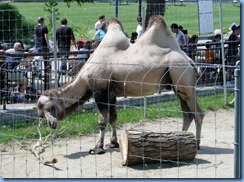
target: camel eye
<point>39,105</point>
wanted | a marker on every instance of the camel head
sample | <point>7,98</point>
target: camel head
<point>50,107</point>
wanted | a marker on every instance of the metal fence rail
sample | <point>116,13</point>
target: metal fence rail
<point>42,77</point>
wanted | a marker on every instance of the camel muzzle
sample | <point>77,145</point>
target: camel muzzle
<point>52,121</point>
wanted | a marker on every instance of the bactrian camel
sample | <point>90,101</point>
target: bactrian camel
<point>120,69</point>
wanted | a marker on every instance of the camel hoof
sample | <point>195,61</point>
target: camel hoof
<point>96,151</point>
<point>112,145</point>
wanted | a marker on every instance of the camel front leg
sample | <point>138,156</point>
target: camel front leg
<point>107,108</point>
<point>102,124</point>
<point>113,122</point>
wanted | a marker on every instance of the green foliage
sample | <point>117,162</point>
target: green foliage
<point>13,25</point>
<point>83,32</point>
<point>79,2</point>
<point>51,5</point>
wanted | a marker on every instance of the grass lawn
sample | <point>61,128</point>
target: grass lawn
<point>88,13</point>
<point>84,122</point>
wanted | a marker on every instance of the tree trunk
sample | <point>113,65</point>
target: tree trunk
<point>147,147</point>
<point>154,7</point>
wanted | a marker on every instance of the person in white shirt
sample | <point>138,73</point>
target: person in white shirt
<point>139,29</point>
<point>14,73</point>
<point>178,35</point>
<point>99,23</point>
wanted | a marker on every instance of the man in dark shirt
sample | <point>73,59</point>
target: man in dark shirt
<point>64,36</point>
<point>41,36</point>
<point>42,45</point>
<point>232,51</point>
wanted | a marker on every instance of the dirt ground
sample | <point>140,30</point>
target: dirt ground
<point>215,159</point>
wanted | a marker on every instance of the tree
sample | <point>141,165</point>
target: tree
<point>154,7</point>
<point>50,5</point>
<point>78,1</point>
<point>13,26</point>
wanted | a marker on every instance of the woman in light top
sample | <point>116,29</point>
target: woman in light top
<point>179,36</point>
<point>99,35</point>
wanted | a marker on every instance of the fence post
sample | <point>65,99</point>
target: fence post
<point>223,53</point>
<point>237,133</point>
<point>145,106</point>
<point>54,47</point>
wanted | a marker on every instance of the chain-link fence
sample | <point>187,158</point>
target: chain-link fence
<point>40,72</point>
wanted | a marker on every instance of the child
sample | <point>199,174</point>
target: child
<point>209,58</point>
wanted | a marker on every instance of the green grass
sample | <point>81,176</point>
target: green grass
<point>88,13</point>
<point>84,123</point>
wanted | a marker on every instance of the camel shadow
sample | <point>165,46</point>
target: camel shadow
<point>168,165</point>
<point>78,155</point>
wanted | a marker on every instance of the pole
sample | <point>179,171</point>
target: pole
<point>54,47</point>
<point>143,19</point>
<point>198,10</point>
<point>139,8</point>
<point>237,140</point>
<point>223,53</point>
<point>116,8</point>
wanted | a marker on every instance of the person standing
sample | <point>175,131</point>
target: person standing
<point>217,47</point>
<point>185,32</point>
<point>139,28</point>
<point>41,36</point>
<point>99,35</point>
<point>191,48</point>
<point>64,36</point>
<point>232,51</point>
<point>178,35</point>
<point>218,56</point>
<point>209,60</point>
<point>42,45</point>
<point>100,22</point>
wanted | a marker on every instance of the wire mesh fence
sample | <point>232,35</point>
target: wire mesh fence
<point>29,149</point>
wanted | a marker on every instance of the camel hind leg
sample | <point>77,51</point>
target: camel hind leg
<point>187,114</point>
<point>191,110</point>
<point>198,116</point>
